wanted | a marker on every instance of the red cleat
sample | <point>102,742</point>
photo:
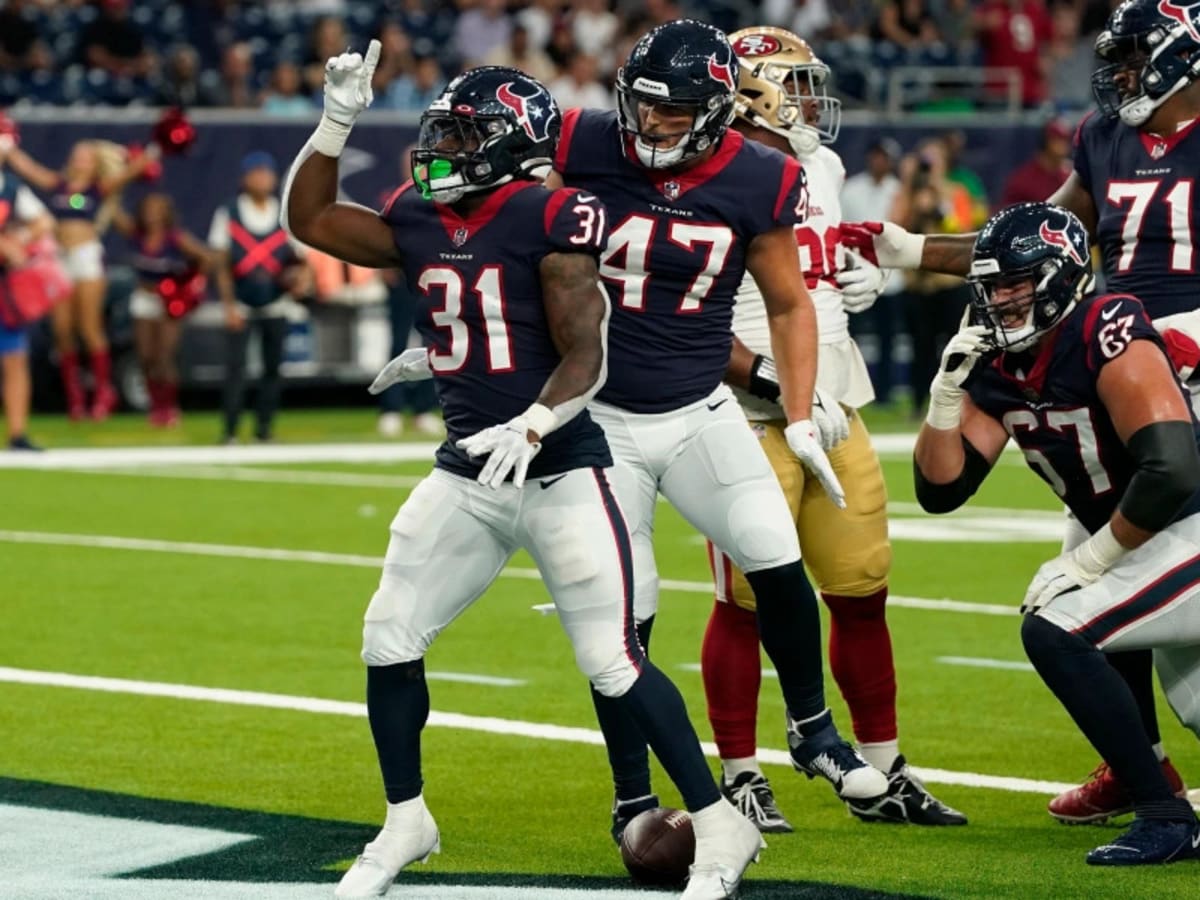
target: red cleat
<point>1103,797</point>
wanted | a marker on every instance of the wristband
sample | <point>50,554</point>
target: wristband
<point>540,419</point>
<point>330,137</point>
<point>1100,552</point>
<point>908,250</point>
<point>764,379</point>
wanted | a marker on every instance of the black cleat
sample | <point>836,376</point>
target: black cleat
<point>906,800</point>
<point>751,794</point>
<point>21,442</point>
<point>623,813</point>
<point>1150,842</point>
<point>825,753</point>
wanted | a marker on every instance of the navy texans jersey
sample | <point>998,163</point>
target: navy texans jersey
<point>480,310</point>
<point>1048,403</point>
<point>676,253</point>
<point>1145,193</point>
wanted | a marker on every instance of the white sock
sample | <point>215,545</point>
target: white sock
<point>1159,751</point>
<point>706,823</point>
<point>735,767</point>
<point>881,755</point>
<point>403,816</point>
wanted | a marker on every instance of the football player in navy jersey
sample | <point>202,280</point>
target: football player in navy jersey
<point>1133,188</point>
<point>693,207</point>
<point>1085,388</point>
<point>514,324</point>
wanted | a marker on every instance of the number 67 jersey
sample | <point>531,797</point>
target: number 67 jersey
<point>1048,403</point>
<point>676,253</point>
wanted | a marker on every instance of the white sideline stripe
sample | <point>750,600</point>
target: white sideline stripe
<point>265,476</point>
<point>113,542</point>
<point>489,724</point>
<point>468,678</point>
<point>695,667</point>
<point>983,663</point>
<point>133,457</point>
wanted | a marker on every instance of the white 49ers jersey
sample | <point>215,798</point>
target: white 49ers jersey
<point>841,369</point>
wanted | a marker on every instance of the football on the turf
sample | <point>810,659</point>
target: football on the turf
<point>658,846</point>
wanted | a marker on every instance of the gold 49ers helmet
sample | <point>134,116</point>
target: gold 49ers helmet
<point>781,87</point>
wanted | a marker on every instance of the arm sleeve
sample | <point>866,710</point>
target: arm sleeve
<point>218,231</point>
<point>791,199</point>
<point>575,222</point>
<point>1112,323</point>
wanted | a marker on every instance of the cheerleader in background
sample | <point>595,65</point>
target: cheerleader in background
<point>95,171</point>
<point>171,266</point>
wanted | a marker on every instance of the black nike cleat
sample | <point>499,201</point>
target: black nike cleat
<point>1150,842</point>
<point>906,800</point>
<point>751,794</point>
<point>624,811</point>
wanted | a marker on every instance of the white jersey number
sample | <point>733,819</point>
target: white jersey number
<point>1139,195</point>
<point>1080,422</point>
<point>626,259</point>
<point>489,289</point>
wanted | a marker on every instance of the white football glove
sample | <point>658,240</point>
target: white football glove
<point>958,359</point>
<point>1073,570</point>
<point>829,419</point>
<point>861,285</point>
<point>411,365</point>
<point>802,439</point>
<point>348,84</point>
<point>508,450</point>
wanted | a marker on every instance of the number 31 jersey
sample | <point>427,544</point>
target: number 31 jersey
<point>1146,197</point>
<point>480,311</point>
<point>1049,405</point>
<point>676,253</point>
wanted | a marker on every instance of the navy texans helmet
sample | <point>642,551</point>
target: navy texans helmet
<point>1035,244</point>
<point>490,125</point>
<point>1151,51</point>
<point>683,64</point>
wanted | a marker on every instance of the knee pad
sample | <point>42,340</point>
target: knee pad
<point>389,634</point>
<point>611,676</point>
<point>1043,639</point>
<point>564,545</point>
<point>762,530</point>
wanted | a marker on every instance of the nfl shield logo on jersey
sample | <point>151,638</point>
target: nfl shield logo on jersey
<point>460,236</point>
<point>671,190</point>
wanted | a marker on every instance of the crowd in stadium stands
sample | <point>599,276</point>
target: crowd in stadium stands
<point>270,54</point>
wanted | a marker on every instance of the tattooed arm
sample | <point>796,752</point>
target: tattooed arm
<point>577,313</point>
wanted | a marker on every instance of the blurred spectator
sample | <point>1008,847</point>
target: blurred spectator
<point>659,12</point>
<point>1016,34</point>
<point>927,204</point>
<point>1072,59</point>
<point>327,38</point>
<point>21,46</point>
<point>395,55</point>
<point>810,19</point>
<point>869,197</point>
<point>971,203</point>
<point>956,23</point>
<point>594,27</point>
<point>561,48</point>
<point>429,30</point>
<point>906,23</point>
<point>539,18</point>
<point>113,43</point>
<point>237,73</point>
<point>414,92</point>
<point>520,54</point>
<point>1044,173</point>
<point>578,87</point>
<point>182,83</point>
<point>480,30</point>
<point>284,97</point>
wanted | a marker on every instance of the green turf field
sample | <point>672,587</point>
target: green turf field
<point>158,579</point>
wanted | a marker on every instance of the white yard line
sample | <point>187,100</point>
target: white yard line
<point>983,663</point>
<point>276,554</point>
<point>264,476</point>
<point>488,724</point>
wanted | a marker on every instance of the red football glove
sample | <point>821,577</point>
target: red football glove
<point>1183,352</point>
<point>860,236</point>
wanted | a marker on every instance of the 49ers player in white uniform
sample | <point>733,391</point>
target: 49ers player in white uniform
<point>782,103</point>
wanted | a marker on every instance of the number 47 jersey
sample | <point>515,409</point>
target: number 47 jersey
<point>1049,405</point>
<point>676,253</point>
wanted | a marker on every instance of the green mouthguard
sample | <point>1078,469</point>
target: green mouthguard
<point>424,174</point>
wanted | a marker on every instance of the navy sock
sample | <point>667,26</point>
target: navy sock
<point>398,707</point>
<point>789,626</point>
<point>627,755</point>
<point>1137,668</point>
<point>657,706</point>
<point>1100,702</point>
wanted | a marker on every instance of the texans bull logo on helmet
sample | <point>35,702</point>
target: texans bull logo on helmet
<point>534,111</point>
<point>756,45</point>
<point>1185,15</point>
<point>1060,237</point>
<point>722,72</point>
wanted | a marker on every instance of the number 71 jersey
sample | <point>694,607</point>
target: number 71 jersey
<point>676,253</point>
<point>1050,406</point>
<point>1148,209</point>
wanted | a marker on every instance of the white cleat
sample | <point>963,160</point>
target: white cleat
<point>724,850</point>
<point>406,838</point>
